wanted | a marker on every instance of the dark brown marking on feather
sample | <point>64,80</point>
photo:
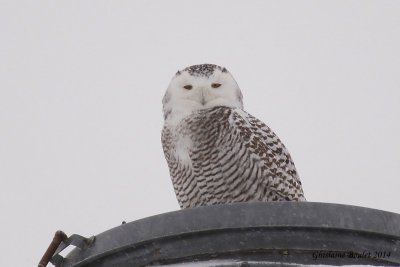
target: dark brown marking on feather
<point>203,70</point>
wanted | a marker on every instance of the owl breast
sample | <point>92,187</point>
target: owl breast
<point>224,155</point>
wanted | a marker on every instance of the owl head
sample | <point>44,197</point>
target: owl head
<point>200,87</point>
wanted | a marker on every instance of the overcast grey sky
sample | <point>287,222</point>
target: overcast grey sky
<point>81,84</point>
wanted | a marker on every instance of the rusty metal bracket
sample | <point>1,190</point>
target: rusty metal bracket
<point>59,243</point>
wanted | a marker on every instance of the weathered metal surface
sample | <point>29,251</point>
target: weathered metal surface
<point>250,233</point>
<point>59,236</point>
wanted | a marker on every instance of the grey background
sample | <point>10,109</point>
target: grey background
<point>81,84</point>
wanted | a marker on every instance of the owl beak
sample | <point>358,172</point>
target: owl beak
<point>203,99</point>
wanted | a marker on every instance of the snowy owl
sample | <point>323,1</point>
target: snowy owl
<point>216,152</point>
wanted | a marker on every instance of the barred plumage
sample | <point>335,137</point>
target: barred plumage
<point>219,153</point>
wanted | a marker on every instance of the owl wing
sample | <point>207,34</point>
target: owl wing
<point>273,175</point>
<point>237,158</point>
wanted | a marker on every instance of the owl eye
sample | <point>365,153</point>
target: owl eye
<point>188,87</point>
<point>215,85</point>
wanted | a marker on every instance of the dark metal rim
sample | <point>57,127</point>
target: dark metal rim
<point>225,254</point>
<point>290,216</point>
